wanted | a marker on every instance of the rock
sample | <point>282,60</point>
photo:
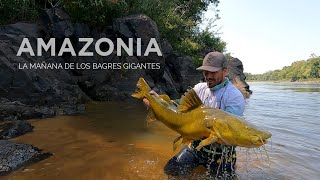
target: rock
<point>117,84</point>
<point>81,30</point>
<point>166,48</point>
<point>141,26</point>
<point>14,129</point>
<point>167,86</point>
<point>17,110</point>
<point>14,156</point>
<point>137,26</point>
<point>56,23</point>
<point>35,89</point>
<point>183,72</point>
<point>237,76</point>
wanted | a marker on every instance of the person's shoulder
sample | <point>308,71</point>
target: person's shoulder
<point>233,91</point>
<point>234,101</point>
<point>199,86</point>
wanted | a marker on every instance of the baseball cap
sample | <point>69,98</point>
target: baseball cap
<point>214,61</point>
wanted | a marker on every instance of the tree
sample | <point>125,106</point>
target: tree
<point>313,55</point>
<point>298,70</point>
<point>314,72</point>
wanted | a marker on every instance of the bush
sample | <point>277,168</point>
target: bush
<point>17,10</point>
<point>95,12</point>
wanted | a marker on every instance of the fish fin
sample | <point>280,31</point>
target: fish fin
<point>211,139</point>
<point>166,98</point>
<point>225,142</point>
<point>180,141</point>
<point>142,89</point>
<point>150,117</point>
<point>177,142</point>
<point>188,141</point>
<point>149,121</point>
<point>189,101</point>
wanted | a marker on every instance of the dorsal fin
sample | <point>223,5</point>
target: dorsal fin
<point>189,101</point>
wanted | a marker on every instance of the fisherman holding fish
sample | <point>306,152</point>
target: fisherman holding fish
<point>216,92</point>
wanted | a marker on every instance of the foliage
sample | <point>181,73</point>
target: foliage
<point>204,40</point>
<point>177,20</point>
<point>298,70</point>
<point>17,10</point>
<point>95,12</point>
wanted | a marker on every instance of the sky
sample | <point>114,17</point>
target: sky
<point>268,35</point>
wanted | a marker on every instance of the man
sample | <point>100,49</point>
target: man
<point>216,92</point>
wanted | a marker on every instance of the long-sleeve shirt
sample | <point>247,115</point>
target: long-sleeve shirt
<point>228,98</point>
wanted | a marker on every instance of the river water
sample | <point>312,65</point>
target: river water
<point>113,141</point>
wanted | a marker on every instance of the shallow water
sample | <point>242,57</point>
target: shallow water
<point>291,112</point>
<point>112,140</point>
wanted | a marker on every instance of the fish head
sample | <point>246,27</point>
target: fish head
<point>245,134</point>
<point>142,88</point>
<point>260,138</point>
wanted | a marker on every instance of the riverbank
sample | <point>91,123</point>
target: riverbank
<point>315,80</point>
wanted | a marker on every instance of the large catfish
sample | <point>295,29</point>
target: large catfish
<point>194,121</point>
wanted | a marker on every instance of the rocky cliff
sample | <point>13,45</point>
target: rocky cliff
<point>37,93</point>
<point>31,93</point>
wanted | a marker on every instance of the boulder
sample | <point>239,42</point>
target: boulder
<point>183,72</point>
<point>39,88</point>
<point>56,23</point>
<point>14,156</point>
<point>17,110</point>
<point>136,26</point>
<point>141,26</point>
<point>113,84</point>
<point>13,129</point>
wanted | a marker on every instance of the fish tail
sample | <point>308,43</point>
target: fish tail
<point>142,89</point>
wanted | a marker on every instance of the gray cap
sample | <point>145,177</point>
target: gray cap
<point>213,62</point>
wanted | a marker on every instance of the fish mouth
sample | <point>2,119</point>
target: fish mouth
<point>257,140</point>
<point>264,141</point>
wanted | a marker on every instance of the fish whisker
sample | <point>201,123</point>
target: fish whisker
<point>256,154</point>
<point>269,163</point>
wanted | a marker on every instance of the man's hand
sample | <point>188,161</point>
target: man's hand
<point>146,101</point>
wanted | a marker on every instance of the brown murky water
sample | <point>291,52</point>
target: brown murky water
<point>112,141</point>
<point>109,141</point>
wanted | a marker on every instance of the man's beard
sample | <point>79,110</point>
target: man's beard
<point>211,82</point>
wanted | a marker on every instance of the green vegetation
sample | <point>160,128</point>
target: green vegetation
<point>177,20</point>
<point>298,71</point>
<point>17,10</point>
